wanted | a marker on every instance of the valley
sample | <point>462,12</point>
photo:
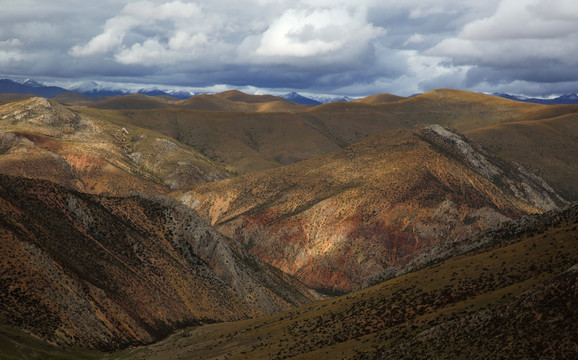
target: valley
<point>248,226</point>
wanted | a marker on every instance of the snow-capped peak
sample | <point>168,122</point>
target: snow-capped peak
<point>31,83</point>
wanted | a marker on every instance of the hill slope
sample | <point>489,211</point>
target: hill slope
<point>338,220</point>
<point>106,272</point>
<point>549,147</point>
<point>91,152</point>
<point>516,297</point>
<point>244,142</point>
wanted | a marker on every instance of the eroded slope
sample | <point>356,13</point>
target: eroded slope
<point>106,272</point>
<point>515,297</point>
<point>339,220</point>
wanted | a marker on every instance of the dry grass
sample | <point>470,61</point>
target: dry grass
<point>471,305</point>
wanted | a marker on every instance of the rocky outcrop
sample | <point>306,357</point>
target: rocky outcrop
<point>339,220</point>
<point>107,272</point>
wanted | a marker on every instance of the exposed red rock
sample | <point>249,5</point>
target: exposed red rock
<point>340,220</point>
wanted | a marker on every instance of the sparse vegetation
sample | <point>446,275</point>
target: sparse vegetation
<point>351,208</point>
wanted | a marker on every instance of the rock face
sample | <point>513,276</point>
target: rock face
<point>106,272</point>
<point>339,220</point>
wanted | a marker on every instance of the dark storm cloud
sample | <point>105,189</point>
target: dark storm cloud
<point>341,46</point>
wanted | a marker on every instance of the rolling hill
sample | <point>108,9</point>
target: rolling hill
<point>106,272</point>
<point>247,141</point>
<point>339,220</point>
<point>548,147</point>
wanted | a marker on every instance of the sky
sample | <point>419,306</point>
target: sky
<point>346,47</point>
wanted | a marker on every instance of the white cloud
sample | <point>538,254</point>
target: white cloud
<point>362,46</point>
<point>10,43</point>
<point>145,14</point>
<point>414,39</point>
<point>524,19</point>
<point>524,40</point>
<point>312,32</point>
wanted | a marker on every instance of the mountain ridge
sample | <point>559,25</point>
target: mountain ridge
<point>330,222</point>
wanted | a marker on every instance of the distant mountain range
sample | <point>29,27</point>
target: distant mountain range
<point>566,99</point>
<point>92,88</point>
<point>314,99</point>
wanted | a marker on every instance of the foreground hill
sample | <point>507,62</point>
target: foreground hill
<point>107,272</point>
<point>339,220</point>
<point>509,292</point>
<point>513,295</point>
<point>91,152</point>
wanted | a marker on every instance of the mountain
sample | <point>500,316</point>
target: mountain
<point>339,220</point>
<point>379,99</point>
<point>566,99</point>
<point>107,272</point>
<point>295,97</point>
<point>31,83</point>
<point>342,195</point>
<point>90,151</point>
<point>327,99</point>
<point>513,297</point>
<point>29,87</point>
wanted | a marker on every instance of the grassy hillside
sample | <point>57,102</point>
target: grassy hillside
<point>548,147</point>
<point>247,133</point>
<point>514,298</point>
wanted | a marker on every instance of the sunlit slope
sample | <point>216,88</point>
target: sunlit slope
<point>548,147</point>
<point>339,220</point>
<point>245,139</point>
<point>226,101</point>
<point>380,99</point>
<point>107,272</point>
<point>241,142</point>
<point>516,297</point>
<point>92,151</point>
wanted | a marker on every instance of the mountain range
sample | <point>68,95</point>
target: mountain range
<point>126,218</point>
<point>563,99</point>
<point>94,89</point>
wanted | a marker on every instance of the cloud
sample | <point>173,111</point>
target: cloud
<point>135,15</point>
<point>315,32</point>
<point>414,39</point>
<point>330,46</point>
<point>527,40</point>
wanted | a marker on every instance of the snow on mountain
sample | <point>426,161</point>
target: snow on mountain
<point>299,99</point>
<point>325,99</point>
<point>567,99</point>
<point>311,99</point>
<point>31,83</point>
